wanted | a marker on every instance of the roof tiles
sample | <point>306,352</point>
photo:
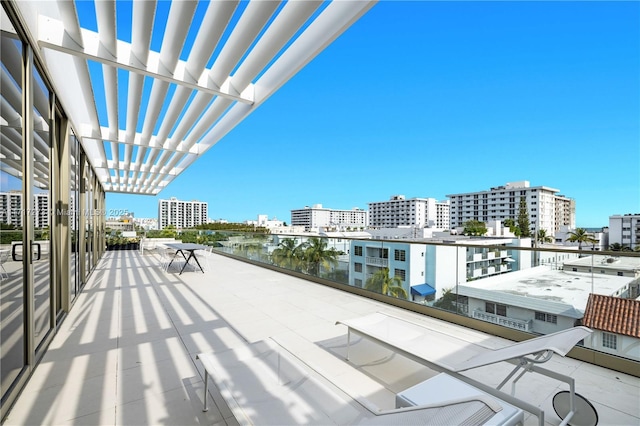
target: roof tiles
<point>613,314</point>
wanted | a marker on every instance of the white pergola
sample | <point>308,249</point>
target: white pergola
<point>163,112</point>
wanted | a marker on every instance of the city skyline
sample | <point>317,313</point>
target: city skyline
<point>425,99</point>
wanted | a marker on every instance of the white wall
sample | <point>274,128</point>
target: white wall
<point>628,347</point>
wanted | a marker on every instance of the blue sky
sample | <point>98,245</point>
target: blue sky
<point>429,98</point>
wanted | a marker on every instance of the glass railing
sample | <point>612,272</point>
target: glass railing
<point>501,281</point>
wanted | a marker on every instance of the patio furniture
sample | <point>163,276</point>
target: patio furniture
<point>262,383</point>
<point>446,354</point>
<point>180,249</point>
<point>167,257</point>
<point>4,257</point>
<point>204,255</point>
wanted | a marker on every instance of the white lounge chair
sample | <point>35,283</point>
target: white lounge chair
<point>264,384</point>
<point>444,353</point>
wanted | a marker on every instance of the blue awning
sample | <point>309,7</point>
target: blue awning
<point>423,290</point>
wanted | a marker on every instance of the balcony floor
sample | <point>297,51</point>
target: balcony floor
<point>126,353</point>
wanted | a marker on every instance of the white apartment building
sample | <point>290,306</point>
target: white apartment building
<point>547,209</point>
<point>405,261</point>
<point>146,223</point>
<point>416,212</point>
<point>11,209</point>
<point>316,217</point>
<point>625,230</point>
<point>41,209</point>
<point>181,214</point>
<point>264,222</point>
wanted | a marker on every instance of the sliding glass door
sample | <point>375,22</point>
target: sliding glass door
<point>12,208</point>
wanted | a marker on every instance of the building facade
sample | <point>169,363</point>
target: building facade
<point>403,260</point>
<point>547,210</point>
<point>11,207</point>
<point>181,214</point>
<point>616,325</point>
<point>416,212</point>
<point>625,230</point>
<point>316,217</point>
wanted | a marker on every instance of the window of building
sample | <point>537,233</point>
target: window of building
<point>358,267</point>
<point>400,255</point>
<point>357,250</point>
<point>543,316</point>
<point>357,283</point>
<point>496,308</point>
<point>400,273</point>
<point>609,341</point>
<point>620,274</point>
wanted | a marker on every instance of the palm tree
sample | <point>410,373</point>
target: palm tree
<point>580,235</point>
<point>542,237</point>
<point>381,282</point>
<point>447,301</point>
<point>288,255</point>
<point>316,254</point>
<point>619,247</point>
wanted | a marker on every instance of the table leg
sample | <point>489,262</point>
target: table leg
<point>199,266</point>
<point>174,256</point>
<point>186,260</point>
<point>206,389</point>
<point>191,255</point>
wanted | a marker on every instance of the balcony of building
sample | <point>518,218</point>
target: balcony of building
<point>126,353</point>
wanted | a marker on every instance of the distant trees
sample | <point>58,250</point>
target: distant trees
<point>316,255</point>
<point>619,247</point>
<point>447,301</point>
<point>474,228</point>
<point>523,225</point>
<point>168,231</point>
<point>231,227</point>
<point>511,224</point>
<point>288,255</point>
<point>309,257</point>
<point>580,236</point>
<point>542,237</point>
<point>381,282</point>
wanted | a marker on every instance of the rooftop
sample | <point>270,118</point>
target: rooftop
<point>126,352</point>
<point>546,283</point>
<point>613,314</point>
<point>619,263</point>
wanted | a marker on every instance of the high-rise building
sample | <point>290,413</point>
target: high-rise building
<point>417,212</point>
<point>11,209</point>
<point>181,214</point>
<point>316,217</point>
<point>625,230</point>
<point>546,209</point>
<point>41,209</point>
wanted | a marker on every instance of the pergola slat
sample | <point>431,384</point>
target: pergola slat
<point>176,109</point>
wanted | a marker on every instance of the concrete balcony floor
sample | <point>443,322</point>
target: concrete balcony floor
<point>126,354</point>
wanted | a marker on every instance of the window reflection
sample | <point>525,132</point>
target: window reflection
<point>12,341</point>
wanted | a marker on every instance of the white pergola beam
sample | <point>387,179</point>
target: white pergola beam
<point>53,37</point>
<point>230,71</point>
